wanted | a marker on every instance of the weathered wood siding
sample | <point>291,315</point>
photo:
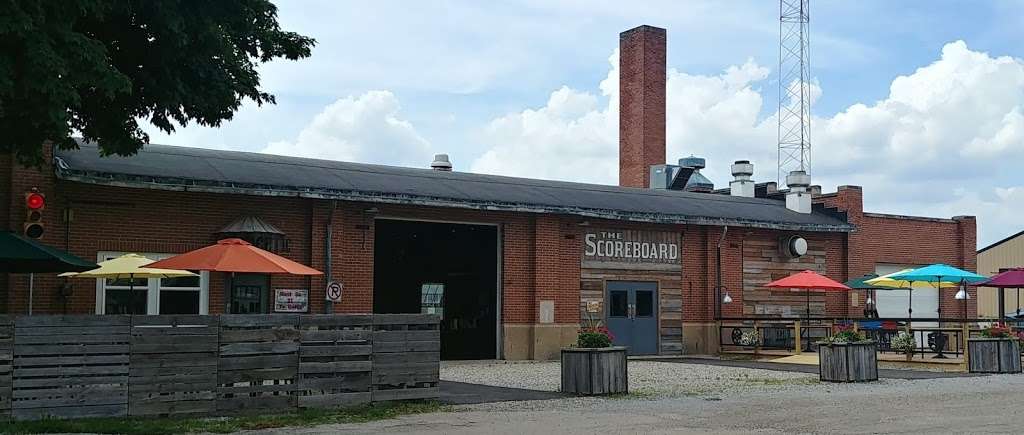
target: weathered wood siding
<point>764,263</point>
<point>335,360</point>
<point>406,349</point>
<point>595,371</point>
<point>853,362</point>
<point>172,365</point>
<point>87,366</point>
<point>670,300</point>
<point>6,364</point>
<point>257,368</point>
<point>993,355</point>
<point>70,366</point>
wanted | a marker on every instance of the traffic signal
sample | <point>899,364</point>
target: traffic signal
<point>35,203</point>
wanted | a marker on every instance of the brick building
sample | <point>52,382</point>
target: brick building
<point>514,266</point>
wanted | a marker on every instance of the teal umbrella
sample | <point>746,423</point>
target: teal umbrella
<point>939,273</point>
<point>20,254</point>
<point>862,284</point>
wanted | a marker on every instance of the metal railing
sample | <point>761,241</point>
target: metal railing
<point>777,334</point>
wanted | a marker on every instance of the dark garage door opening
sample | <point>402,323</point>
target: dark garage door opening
<point>441,268</point>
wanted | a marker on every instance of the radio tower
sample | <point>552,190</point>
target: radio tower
<point>794,88</point>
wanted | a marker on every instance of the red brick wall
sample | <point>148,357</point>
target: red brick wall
<point>891,239</point>
<point>698,297</point>
<point>642,53</point>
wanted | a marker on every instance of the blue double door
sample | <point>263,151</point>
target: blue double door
<point>632,315</point>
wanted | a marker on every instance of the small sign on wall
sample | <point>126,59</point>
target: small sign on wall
<point>594,307</point>
<point>333,293</point>
<point>547,312</point>
<point>291,300</point>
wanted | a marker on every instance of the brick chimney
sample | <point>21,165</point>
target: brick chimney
<point>641,103</point>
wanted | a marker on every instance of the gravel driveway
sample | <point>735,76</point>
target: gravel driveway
<point>680,398</point>
<point>646,378</point>
<point>935,406</point>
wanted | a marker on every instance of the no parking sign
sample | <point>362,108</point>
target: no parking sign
<point>334,291</point>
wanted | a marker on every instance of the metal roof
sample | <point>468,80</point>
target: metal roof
<point>197,169</point>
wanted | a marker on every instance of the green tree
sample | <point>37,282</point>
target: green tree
<point>98,67</point>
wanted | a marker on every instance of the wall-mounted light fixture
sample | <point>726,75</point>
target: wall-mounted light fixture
<point>962,295</point>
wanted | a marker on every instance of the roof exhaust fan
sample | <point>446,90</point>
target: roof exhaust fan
<point>793,246</point>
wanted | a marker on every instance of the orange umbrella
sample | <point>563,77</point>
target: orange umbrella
<point>236,256</point>
<point>807,281</point>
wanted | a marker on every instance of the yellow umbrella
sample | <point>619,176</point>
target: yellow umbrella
<point>890,283</point>
<point>130,267</point>
<point>887,281</point>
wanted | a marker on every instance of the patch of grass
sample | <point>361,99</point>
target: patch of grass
<point>171,426</point>
<point>774,381</point>
<point>636,393</point>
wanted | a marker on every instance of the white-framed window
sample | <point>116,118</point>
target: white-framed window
<point>184,295</point>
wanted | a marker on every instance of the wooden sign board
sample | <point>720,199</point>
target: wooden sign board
<point>632,249</point>
<point>291,300</point>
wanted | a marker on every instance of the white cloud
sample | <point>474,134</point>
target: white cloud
<point>570,138</point>
<point>954,124</point>
<point>364,129</point>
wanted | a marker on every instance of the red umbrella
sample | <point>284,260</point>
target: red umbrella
<point>234,255</point>
<point>807,281</point>
<point>1011,278</point>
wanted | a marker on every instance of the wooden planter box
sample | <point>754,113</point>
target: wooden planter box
<point>594,371</point>
<point>848,362</point>
<point>993,355</point>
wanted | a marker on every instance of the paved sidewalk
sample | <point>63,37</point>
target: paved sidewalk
<point>804,368</point>
<point>461,393</point>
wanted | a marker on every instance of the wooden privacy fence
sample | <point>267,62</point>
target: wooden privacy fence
<point>93,366</point>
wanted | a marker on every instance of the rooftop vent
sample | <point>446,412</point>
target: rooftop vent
<point>441,163</point>
<point>742,183</point>
<point>697,182</point>
<point>798,198</point>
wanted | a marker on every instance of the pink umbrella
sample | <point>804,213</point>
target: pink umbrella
<point>1010,278</point>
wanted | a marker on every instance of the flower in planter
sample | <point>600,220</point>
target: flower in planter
<point>997,331</point>
<point>594,338</point>
<point>904,343</point>
<point>845,334</point>
<point>750,338</point>
<point>593,334</point>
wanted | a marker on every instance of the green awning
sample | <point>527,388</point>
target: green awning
<point>860,284</point>
<point>19,254</point>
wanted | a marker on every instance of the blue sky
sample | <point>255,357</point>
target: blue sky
<point>935,89</point>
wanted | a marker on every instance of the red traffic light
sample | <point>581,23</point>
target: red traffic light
<point>35,201</point>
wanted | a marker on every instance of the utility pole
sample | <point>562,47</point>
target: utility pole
<point>794,88</point>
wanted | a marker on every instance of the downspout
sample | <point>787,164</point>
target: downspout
<point>718,272</point>
<point>328,235</point>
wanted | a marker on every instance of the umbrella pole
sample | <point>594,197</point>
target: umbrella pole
<point>910,305</point>
<point>807,292</point>
<point>131,293</point>
<point>228,292</point>
<point>1018,302</point>
<point>1002,307</point>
